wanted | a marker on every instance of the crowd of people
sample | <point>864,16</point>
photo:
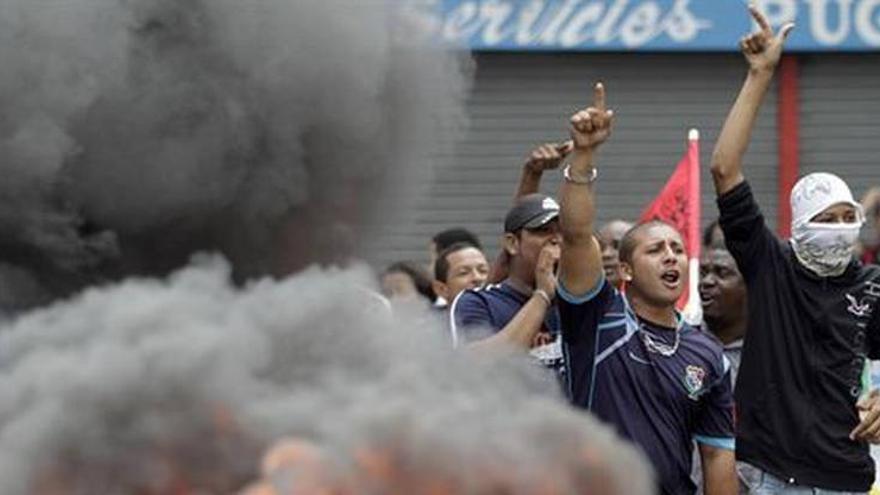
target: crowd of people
<point>768,394</point>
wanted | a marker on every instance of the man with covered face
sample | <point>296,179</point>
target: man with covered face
<point>632,360</point>
<point>813,318</point>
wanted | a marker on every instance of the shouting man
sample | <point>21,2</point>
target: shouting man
<point>632,360</point>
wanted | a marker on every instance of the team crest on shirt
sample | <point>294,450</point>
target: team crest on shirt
<point>693,381</point>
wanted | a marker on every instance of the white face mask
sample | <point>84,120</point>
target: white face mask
<point>825,248</point>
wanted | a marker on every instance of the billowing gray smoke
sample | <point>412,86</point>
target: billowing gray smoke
<point>134,133</point>
<point>175,387</point>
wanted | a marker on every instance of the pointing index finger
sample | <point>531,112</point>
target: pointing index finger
<point>760,19</point>
<point>599,97</point>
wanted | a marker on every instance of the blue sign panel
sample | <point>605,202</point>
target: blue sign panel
<point>654,25</point>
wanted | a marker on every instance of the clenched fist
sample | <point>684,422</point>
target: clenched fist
<point>548,156</point>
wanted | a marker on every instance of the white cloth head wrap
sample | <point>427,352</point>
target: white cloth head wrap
<point>824,248</point>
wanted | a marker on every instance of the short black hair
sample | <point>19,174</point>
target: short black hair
<point>441,266</point>
<point>445,239</point>
<point>418,275</point>
<point>628,242</point>
<point>709,234</point>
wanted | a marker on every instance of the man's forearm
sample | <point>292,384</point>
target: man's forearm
<point>521,330</point>
<point>719,472</point>
<point>529,182</point>
<point>580,266</point>
<point>578,210</point>
<point>737,130</point>
<point>762,50</point>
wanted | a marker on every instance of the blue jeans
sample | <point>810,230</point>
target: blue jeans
<point>763,483</point>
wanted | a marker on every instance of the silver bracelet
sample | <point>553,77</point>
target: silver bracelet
<point>566,174</point>
<point>544,296</point>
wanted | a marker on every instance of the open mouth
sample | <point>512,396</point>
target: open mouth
<point>707,299</point>
<point>671,278</point>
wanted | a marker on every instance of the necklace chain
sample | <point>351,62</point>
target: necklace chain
<point>654,344</point>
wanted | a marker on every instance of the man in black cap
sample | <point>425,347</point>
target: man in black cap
<point>518,311</point>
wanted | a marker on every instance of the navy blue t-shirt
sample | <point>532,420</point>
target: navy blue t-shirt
<point>479,313</point>
<point>631,373</point>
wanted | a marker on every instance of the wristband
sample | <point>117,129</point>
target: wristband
<point>566,174</point>
<point>544,296</point>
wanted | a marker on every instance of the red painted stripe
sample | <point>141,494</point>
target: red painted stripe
<point>788,124</point>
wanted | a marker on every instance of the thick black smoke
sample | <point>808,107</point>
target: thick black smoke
<point>136,132</point>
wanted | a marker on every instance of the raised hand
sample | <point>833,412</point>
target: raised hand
<point>548,156</point>
<point>764,48</point>
<point>591,126</point>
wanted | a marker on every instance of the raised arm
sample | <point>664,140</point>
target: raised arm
<point>545,157</point>
<point>762,51</point>
<point>580,263</point>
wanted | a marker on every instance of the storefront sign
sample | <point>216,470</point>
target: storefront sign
<point>653,25</point>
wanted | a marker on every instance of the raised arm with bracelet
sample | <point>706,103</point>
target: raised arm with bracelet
<point>581,260</point>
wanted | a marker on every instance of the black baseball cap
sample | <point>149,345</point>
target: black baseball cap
<point>531,211</point>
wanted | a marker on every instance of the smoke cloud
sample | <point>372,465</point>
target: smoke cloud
<point>137,132</point>
<point>154,386</point>
<point>277,132</point>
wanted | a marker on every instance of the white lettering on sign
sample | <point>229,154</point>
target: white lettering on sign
<point>830,22</point>
<point>575,33</point>
<point>457,22</point>
<point>496,15</point>
<point>639,27</point>
<point>820,16</point>
<point>868,21</point>
<point>571,23</point>
<point>528,18</point>
<point>681,24</point>
<point>778,12</point>
<point>641,23</point>
<point>605,31</point>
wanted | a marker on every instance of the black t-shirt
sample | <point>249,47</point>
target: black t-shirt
<point>807,342</point>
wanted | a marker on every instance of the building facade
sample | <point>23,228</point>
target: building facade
<point>668,66</point>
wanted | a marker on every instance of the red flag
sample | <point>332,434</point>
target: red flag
<point>679,204</point>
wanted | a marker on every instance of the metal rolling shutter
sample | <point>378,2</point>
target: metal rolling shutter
<point>523,99</point>
<point>840,117</point>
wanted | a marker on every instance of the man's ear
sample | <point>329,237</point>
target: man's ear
<point>441,290</point>
<point>511,244</point>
